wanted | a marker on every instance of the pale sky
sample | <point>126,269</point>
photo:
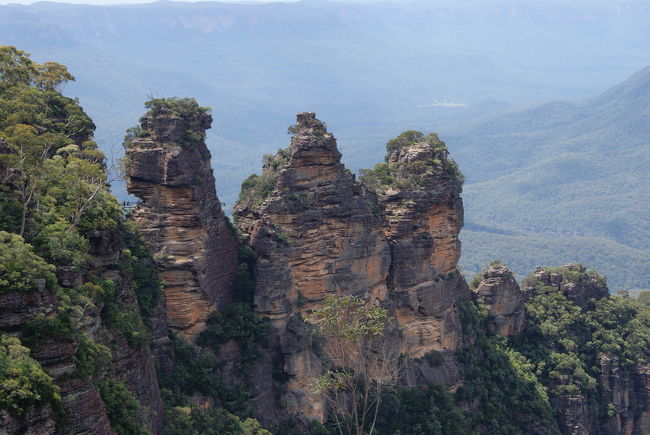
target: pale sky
<point>118,2</point>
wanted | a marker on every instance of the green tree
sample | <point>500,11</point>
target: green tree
<point>20,268</point>
<point>23,383</point>
<point>360,359</point>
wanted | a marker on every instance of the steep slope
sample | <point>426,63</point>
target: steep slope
<point>71,287</point>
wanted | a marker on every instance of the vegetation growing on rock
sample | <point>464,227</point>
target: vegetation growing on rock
<point>412,159</point>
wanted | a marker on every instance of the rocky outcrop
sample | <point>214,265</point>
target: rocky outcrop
<point>501,294</point>
<point>424,212</point>
<point>578,284</point>
<point>627,389</point>
<point>180,216</point>
<point>315,233</point>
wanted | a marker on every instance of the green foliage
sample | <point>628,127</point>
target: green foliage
<point>91,359</point>
<point>293,426</point>
<point>183,107</point>
<point>410,175</point>
<point>198,370</point>
<point>244,285</point>
<point>256,188</point>
<point>421,411</point>
<point>511,396</point>
<point>187,109</point>
<point>407,138</point>
<point>122,407</point>
<point>181,420</point>
<point>45,329</point>
<point>20,268</point>
<point>133,133</point>
<point>123,317</point>
<point>237,322</point>
<point>564,342</point>
<point>138,262</point>
<point>476,280</point>
<point>23,383</point>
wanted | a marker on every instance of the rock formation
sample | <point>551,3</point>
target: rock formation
<point>315,233</point>
<point>574,281</point>
<point>180,216</point>
<point>424,215</point>
<point>503,297</point>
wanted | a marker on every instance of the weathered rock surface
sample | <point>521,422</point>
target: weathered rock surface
<point>628,390</point>
<point>574,281</point>
<point>316,234</point>
<point>424,211</point>
<point>180,217</point>
<point>505,300</point>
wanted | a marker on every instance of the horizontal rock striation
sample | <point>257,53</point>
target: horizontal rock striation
<point>180,216</point>
<point>420,193</point>
<point>315,233</point>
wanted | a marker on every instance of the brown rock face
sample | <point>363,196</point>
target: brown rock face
<point>424,211</point>
<point>316,234</point>
<point>627,389</point>
<point>180,217</point>
<point>505,300</point>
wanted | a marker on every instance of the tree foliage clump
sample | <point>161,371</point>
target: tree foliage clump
<point>23,383</point>
<point>411,174</point>
<point>195,119</point>
<point>237,322</point>
<point>20,268</point>
<point>511,397</point>
<point>564,343</point>
<point>256,188</point>
<point>361,360</point>
<point>122,408</point>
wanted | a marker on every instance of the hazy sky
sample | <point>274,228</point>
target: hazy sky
<point>117,2</point>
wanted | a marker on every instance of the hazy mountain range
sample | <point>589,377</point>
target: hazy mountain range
<point>547,183</point>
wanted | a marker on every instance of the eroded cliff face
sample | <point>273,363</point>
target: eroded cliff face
<point>180,216</point>
<point>84,409</point>
<point>623,387</point>
<point>424,213</point>
<point>505,300</point>
<point>315,233</point>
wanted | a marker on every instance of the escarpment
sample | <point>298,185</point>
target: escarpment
<point>180,216</point>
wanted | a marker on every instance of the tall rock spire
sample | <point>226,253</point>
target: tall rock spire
<point>180,217</point>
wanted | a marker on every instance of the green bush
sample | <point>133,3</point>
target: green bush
<point>122,407</point>
<point>23,383</point>
<point>237,322</point>
<point>20,268</point>
<point>182,420</point>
